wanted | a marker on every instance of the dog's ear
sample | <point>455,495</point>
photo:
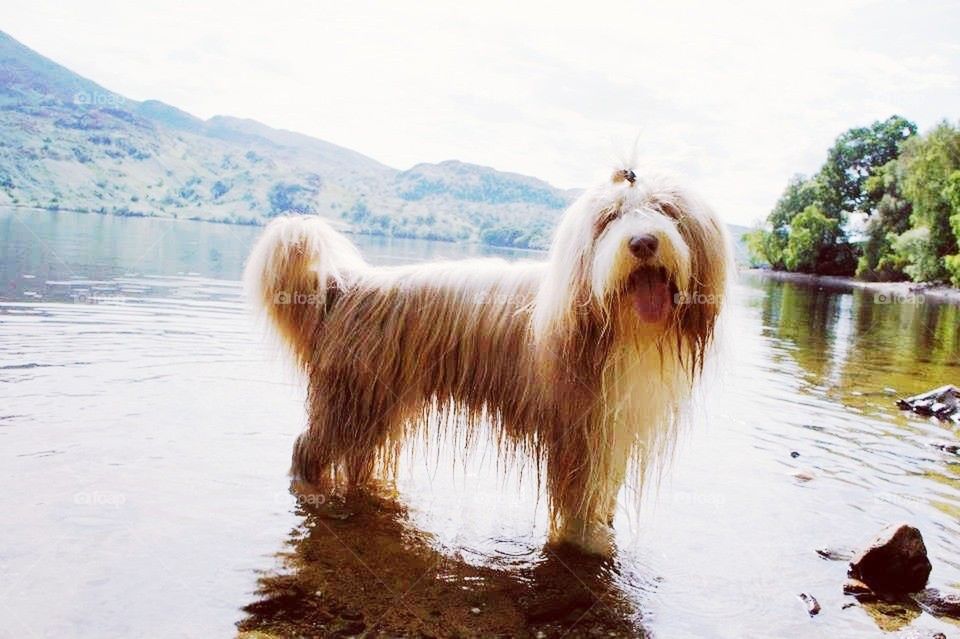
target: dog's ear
<point>709,260</point>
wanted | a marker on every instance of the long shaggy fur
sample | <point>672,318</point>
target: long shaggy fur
<point>555,357</point>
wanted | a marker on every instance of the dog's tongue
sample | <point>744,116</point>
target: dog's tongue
<point>651,295</point>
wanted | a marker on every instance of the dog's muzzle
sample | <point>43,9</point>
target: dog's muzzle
<point>650,287</point>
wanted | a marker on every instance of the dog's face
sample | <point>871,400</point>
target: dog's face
<point>641,256</point>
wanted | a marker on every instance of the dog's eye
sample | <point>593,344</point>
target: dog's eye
<point>604,219</point>
<point>671,210</point>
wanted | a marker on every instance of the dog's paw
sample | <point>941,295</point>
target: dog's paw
<point>594,538</point>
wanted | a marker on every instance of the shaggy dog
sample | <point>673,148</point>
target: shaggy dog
<point>583,362</point>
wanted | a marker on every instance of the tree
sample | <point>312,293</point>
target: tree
<point>952,195</point>
<point>800,193</point>
<point>767,246</point>
<point>890,218</point>
<point>837,190</point>
<point>812,241</point>
<point>930,163</point>
<point>920,263</point>
<point>853,158</point>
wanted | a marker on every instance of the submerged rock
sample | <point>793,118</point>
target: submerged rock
<point>943,604</point>
<point>835,554</point>
<point>948,447</point>
<point>895,561</point>
<point>943,403</point>
<point>857,588</point>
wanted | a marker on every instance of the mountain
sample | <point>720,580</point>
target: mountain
<point>68,143</point>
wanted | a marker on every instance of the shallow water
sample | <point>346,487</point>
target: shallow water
<point>145,433</point>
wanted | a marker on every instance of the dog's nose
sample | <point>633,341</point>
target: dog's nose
<point>644,246</point>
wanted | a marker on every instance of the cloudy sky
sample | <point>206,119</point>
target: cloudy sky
<point>734,96</point>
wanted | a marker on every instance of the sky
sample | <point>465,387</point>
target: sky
<point>734,97</point>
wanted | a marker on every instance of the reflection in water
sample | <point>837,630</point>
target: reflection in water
<point>360,567</point>
<point>848,338</point>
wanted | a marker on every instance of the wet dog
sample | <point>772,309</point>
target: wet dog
<point>585,362</point>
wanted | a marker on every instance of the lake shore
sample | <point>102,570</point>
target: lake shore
<point>889,291</point>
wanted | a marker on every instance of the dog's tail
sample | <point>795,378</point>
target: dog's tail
<point>295,273</point>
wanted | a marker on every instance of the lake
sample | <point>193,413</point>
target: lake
<point>145,435</point>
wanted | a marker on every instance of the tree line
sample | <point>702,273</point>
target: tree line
<point>885,206</point>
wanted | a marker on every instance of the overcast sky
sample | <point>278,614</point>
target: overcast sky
<point>735,99</point>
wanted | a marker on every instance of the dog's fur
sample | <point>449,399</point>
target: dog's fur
<point>556,357</point>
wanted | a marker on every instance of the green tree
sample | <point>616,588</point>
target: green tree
<point>952,195</point>
<point>889,218</point>
<point>840,188</point>
<point>766,245</point>
<point>930,162</point>
<point>812,241</point>
<point>853,158</point>
<point>913,248</point>
<point>800,193</point>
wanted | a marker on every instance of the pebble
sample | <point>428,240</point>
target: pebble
<point>813,606</point>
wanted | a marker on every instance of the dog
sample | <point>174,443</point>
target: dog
<point>584,362</point>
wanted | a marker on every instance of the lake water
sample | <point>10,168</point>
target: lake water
<point>146,429</point>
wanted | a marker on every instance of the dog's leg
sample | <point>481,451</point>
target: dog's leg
<point>372,458</point>
<point>313,462</point>
<point>580,508</point>
<point>585,474</point>
<point>345,454</point>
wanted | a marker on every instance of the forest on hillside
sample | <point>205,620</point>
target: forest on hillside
<point>885,206</point>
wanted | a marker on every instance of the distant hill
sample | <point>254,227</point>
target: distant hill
<point>69,143</point>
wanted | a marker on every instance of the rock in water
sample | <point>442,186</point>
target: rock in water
<point>943,402</point>
<point>813,606</point>
<point>939,603</point>
<point>895,561</point>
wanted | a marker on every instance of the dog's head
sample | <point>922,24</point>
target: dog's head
<point>640,258</point>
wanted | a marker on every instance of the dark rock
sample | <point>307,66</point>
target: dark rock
<point>939,603</point>
<point>948,448</point>
<point>943,403</point>
<point>794,454</point>
<point>895,561</point>
<point>813,606</point>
